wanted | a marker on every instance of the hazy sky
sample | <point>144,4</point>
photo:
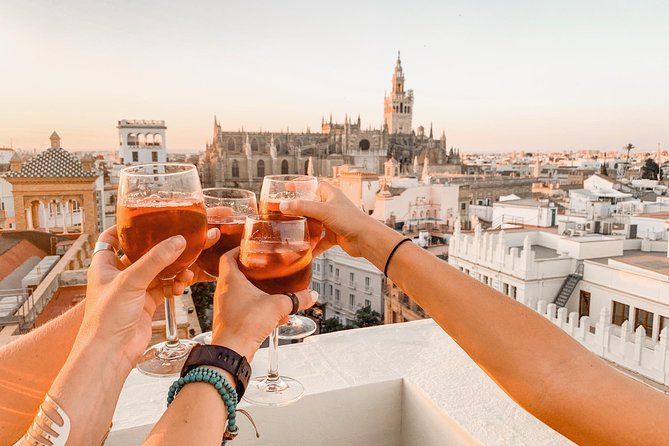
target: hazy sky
<point>495,75</point>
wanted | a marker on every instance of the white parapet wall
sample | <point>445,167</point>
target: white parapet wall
<point>392,385</point>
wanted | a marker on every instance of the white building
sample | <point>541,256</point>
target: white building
<point>513,212</point>
<point>612,287</point>
<point>141,141</point>
<point>6,196</point>
<point>346,284</point>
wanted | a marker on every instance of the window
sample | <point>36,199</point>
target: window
<point>337,274</point>
<point>463,206</point>
<point>284,167</point>
<point>135,157</point>
<point>512,291</point>
<point>368,303</point>
<point>337,296</point>
<point>664,323</point>
<point>154,157</point>
<point>330,290</point>
<point>330,269</point>
<point>2,205</point>
<point>620,313</point>
<point>366,283</point>
<point>261,168</point>
<point>235,169</point>
<point>645,319</point>
<point>254,145</point>
<point>351,300</point>
<point>231,145</point>
<point>505,288</point>
<point>584,304</point>
<point>351,277</point>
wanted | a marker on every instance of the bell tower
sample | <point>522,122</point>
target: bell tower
<point>398,107</point>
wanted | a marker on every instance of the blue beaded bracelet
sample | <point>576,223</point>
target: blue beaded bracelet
<point>224,388</point>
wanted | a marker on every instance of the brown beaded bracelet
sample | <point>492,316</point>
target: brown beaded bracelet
<point>385,270</point>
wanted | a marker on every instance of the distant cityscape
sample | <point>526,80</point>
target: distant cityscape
<point>579,236</point>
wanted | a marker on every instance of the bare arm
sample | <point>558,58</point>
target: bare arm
<point>243,317</point>
<point>29,365</point>
<point>538,365</point>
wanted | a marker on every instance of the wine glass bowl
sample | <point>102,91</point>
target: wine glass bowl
<point>156,202</point>
<point>227,209</point>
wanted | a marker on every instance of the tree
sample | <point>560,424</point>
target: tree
<point>650,170</point>
<point>203,295</point>
<point>331,325</point>
<point>366,317</point>
<point>629,147</point>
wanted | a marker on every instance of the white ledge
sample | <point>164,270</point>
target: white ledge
<point>399,384</point>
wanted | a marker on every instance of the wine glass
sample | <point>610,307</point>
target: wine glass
<point>155,202</point>
<point>227,209</point>
<point>278,188</point>
<point>275,255</point>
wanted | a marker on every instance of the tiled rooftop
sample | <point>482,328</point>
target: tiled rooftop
<point>53,163</point>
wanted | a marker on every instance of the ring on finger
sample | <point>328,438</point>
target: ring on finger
<point>294,300</point>
<point>103,246</point>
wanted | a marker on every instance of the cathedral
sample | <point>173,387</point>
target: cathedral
<point>243,158</point>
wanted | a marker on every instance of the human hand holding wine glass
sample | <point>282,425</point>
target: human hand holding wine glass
<point>278,189</point>
<point>155,202</point>
<point>275,256</point>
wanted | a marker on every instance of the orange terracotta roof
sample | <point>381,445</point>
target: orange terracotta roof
<point>65,298</point>
<point>16,255</point>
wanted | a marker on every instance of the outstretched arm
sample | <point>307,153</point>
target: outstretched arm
<point>538,365</point>
<point>29,365</point>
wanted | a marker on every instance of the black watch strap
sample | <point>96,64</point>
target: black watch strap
<point>221,357</point>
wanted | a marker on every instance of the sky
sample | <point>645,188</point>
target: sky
<point>494,75</point>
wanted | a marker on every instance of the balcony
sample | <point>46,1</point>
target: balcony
<point>434,396</point>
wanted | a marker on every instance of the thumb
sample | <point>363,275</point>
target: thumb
<point>140,274</point>
<point>306,208</point>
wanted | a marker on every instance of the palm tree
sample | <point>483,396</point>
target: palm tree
<point>629,147</point>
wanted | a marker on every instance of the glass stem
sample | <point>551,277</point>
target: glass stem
<point>171,322</point>
<point>273,370</point>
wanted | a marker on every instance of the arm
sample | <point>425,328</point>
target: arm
<point>243,317</point>
<point>580,395</point>
<point>29,365</point>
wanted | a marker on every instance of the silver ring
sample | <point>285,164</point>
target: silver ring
<point>103,246</point>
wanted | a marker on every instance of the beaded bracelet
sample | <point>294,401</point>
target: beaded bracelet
<point>225,389</point>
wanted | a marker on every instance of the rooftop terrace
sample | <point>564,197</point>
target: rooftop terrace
<point>392,385</point>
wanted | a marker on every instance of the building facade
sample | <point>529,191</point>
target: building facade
<point>141,141</point>
<point>56,192</point>
<point>242,158</point>
<point>346,284</point>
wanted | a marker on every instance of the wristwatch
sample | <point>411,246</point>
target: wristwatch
<point>221,357</point>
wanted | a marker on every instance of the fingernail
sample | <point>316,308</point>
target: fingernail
<point>284,206</point>
<point>211,234</point>
<point>177,242</point>
<point>314,296</point>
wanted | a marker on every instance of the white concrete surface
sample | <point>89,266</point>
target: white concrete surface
<point>400,384</point>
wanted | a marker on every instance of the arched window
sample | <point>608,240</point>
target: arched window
<point>132,139</point>
<point>235,169</point>
<point>364,144</point>
<point>306,166</point>
<point>157,139</point>
<point>141,139</point>
<point>401,107</point>
<point>231,145</point>
<point>277,144</point>
<point>284,167</point>
<point>254,145</point>
<point>261,168</point>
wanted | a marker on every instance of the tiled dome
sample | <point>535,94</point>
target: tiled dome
<point>53,163</point>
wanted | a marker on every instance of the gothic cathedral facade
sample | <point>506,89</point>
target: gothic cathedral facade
<point>243,158</point>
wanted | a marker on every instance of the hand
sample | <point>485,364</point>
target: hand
<point>244,315</point>
<point>121,298</point>
<point>342,220</point>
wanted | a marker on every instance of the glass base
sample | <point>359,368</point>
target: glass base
<point>298,327</point>
<point>203,338</point>
<point>263,392</point>
<point>161,360</point>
